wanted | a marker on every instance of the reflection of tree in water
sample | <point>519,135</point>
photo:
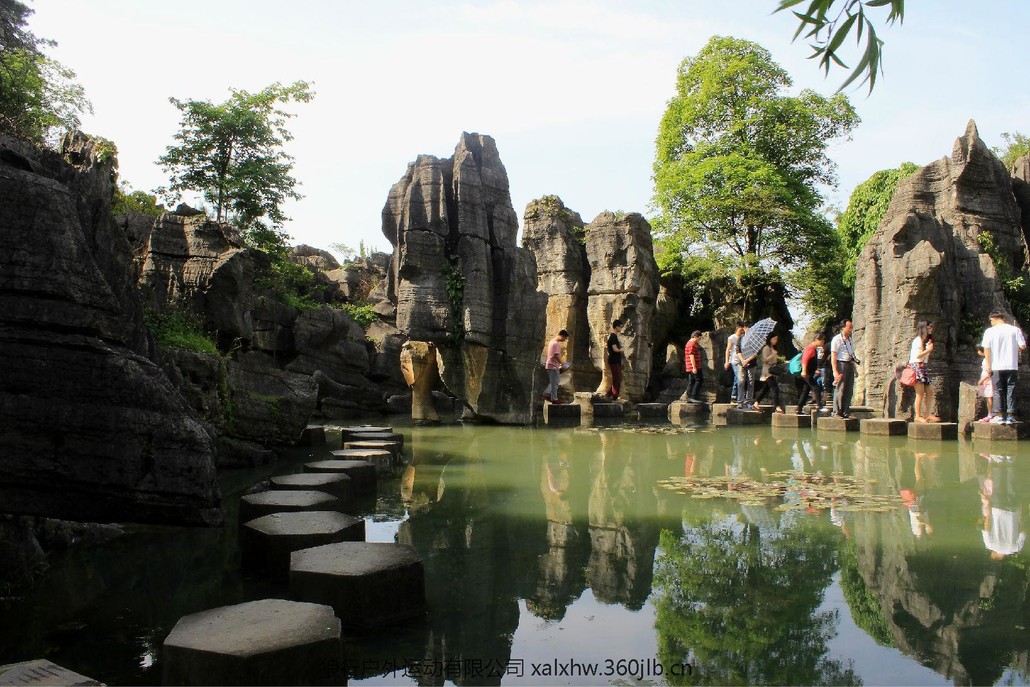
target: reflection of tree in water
<point>863,604</point>
<point>738,602</point>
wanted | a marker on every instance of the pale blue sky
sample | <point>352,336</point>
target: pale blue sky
<point>571,90</point>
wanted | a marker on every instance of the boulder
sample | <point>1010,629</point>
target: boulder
<point>927,260</point>
<point>268,405</point>
<point>623,285</point>
<point>93,430</point>
<point>327,340</point>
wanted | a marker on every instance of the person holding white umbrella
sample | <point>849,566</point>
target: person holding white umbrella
<point>751,344</point>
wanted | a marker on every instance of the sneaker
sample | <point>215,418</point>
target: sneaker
<point>998,420</point>
<point>986,418</point>
<point>1010,421</point>
<point>801,412</point>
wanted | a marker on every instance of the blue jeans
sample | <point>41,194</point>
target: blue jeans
<point>736,381</point>
<point>1004,382</point>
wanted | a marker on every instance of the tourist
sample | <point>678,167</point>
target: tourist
<point>984,388</point>
<point>768,381</point>
<point>826,370</point>
<point>1002,343</point>
<point>746,380</point>
<point>842,358</point>
<point>614,347</point>
<point>554,366</point>
<point>732,363</point>
<point>918,360</point>
<point>809,371</point>
<point>692,363</point>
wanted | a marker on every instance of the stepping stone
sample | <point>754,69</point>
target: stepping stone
<point>652,411</point>
<point>383,460</point>
<point>884,426</point>
<point>791,421</point>
<point>346,432</point>
<point>992,432</point>
<point>367,584</point>
<point>608,410</point>
<point>562,414</point>
<point>267,542</point>
<point>719,411</point>
<point>863,413</point>
<point>392,446</point>
<point>736,416</point>
<point>378,436</point>
<point>828,423</point>
<point>362,474</point>
<point>267,642</point>
<point>338,485</point>
<point>313,435</point>
<point>682,410</point>
<point>42,672</point>
<point>283,501</point>
<point>934,431</point>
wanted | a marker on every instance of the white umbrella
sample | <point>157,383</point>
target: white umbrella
<point>753,341</point>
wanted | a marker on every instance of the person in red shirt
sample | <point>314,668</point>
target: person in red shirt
<point>809,365</point>
<point>692,363</point>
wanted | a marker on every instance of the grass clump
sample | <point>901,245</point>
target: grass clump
<point>174,329</point>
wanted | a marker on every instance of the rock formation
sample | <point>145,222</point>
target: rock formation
<point>459,281</point>
<point>623,285</point>
<point>92,429</point>
<point>930,260</point>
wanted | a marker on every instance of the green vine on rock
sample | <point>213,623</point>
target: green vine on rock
<point>454,282</point>
<point>1015,285</point>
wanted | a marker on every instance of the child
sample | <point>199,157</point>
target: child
<point>984,388</point>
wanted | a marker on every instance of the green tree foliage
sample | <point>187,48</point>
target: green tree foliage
<point>127,200</point>
<point>739,165</point>
<point>39,97</point>
<point>829,22</point>
<point>232,153</point>
<point>866,208</point>
<point>1016,146</point>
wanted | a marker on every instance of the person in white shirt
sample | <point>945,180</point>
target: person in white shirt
<point>842,359</point>
<point>919,361</point>
<point>1002,344</point>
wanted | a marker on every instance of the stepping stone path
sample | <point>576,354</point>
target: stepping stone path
<point>279,501</point>
<point>828,423</point>
<point>313,435</point>
<point>884,427</point>
<point>736,416</point>
<point>339,485</point>
<point>608,410</point>
<point>719,411</point>
<point>933,431</point>
<point>377,436</point>
<point>683,410</point>
<point>562,414</point>
<point>267,542</point>
<point>367,584</point>
<point>347,432</point>
<point>42,672</point>
<point>652,411</point>
<point>382,459</point>
<point>993,432</point>
<point>392,446</point>
<point>268,642</point>
<point>362,474</point>
<point>791,420</point>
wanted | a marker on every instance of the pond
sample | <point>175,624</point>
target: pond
<point>625,555</point>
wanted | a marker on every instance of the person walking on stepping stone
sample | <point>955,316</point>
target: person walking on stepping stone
<point>614,347</point>
<point>554,366</point>
<point>1002,344</point>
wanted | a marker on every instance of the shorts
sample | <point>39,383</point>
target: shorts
<point>985,390</point>
<point>922,373</point>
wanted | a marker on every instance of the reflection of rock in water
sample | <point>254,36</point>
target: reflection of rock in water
<point>623,537</point>
<point>945,602</point>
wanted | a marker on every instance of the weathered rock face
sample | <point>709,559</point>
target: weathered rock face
<point>623,285</point>
<point>193,264</point>
<point>92,430</point>
<point>926,261</point>
<point>459,281</point>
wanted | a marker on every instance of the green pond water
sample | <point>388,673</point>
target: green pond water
<point>614,556</point>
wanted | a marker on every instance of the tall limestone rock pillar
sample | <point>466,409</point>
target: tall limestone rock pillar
<point>623,285</point>
<point>459,281</point>
<point>934,258</point>
<point>556,237</point>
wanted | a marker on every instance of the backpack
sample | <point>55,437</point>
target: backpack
<point>795,365</point>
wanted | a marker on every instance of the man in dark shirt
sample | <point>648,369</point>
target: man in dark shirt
<point>614,347</point>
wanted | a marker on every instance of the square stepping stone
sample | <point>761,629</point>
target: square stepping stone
<point>362,474</point>
<point>993,432</point>
<point>368,584</point>
<point>828,423</point>
<point>652,411</point>
<point>43,673</point>
<point>267,542</point>
<point>719,411</point>
<point>377,436</point>
<point>337,484</point>
<point>683,410</point>
<point>562,414</point>
<point>313,435</point>
<point>347,432</point>
<point>791,420</point>
<point>606,410</point>
<point>884,427</point>
<point>933,431</point>
<point>392,446</point>
<point>284,501</point>
<point>863,413</point>
<point>383,460</point>
<point>267,642</point>
<point>737,416</point>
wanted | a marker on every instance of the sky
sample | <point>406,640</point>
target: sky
<point>571,90</point>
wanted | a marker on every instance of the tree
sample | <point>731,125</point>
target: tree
<point>1016,146</point>
<point>828,29</point>
<point>866,208</point>
<point>232,153</point>
<point>39,97</point>
<point>739,165</point>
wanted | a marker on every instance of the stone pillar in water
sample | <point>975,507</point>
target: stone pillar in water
<point>418,365</point>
